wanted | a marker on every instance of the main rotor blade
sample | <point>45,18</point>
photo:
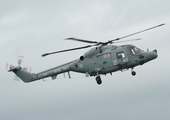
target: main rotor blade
<point>66,50</point>
<point>110,41</point>
<point>81,40</point>
<point>127,40</point>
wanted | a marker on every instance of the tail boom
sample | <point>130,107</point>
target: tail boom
<point>53,72</point>
<point>23,75</point>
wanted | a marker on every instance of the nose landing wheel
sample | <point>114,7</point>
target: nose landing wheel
<point>133,72</point>
<point>98,80</point>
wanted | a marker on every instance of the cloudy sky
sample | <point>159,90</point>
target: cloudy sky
<point>31,28</point>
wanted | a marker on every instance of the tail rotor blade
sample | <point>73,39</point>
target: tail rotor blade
<point>7,66</point>
<point>16,78</point>
<point>20,59</point>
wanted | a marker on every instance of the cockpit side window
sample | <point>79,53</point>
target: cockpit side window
<point>134,50</point>
<point>120,55</point>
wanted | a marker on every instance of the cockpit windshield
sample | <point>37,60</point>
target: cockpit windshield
<point>137,50</point>
<point>134,50</point>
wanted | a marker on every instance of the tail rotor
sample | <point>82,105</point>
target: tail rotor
<point>19,61</point>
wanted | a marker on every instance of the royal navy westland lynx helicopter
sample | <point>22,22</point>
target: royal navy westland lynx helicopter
<point>100,60</point>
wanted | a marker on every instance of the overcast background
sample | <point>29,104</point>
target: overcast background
<point>31,28</point>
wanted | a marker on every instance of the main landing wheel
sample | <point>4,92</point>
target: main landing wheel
<point>98,80</point>
<point>133,73</point>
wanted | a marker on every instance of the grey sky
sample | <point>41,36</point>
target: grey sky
<point>31,28</point>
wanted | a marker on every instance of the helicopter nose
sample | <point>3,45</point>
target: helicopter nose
<point>154,54</point>
<point>151,55</point>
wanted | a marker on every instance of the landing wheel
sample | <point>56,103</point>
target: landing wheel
<point>98,80</point>
<point>133,73</point>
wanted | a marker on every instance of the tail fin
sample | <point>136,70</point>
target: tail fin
<point>23,75</point>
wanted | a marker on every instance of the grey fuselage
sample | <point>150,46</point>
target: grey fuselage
<point>98,60</point>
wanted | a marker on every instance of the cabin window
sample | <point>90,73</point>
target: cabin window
<point>120,55</point>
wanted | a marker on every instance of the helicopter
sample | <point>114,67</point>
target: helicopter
<point>104,58</point>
